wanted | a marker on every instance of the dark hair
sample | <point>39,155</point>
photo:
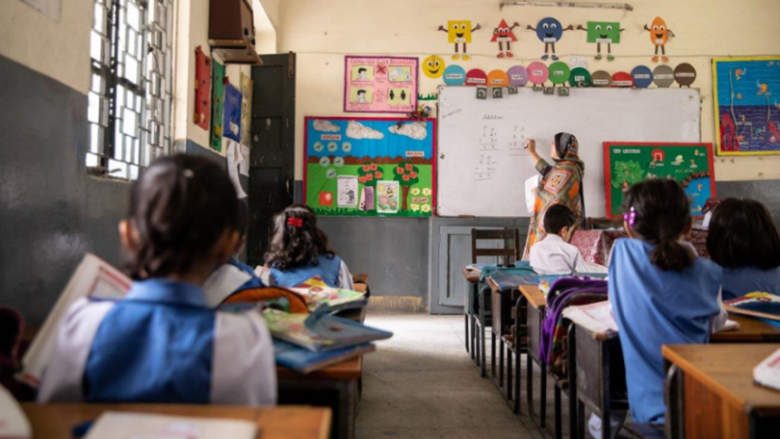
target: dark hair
<point>293,245</point>
<point>661,213</point>
<point>361,91</point>
<point>180,207</point>
<point>742,233</point>
<point>242,219</point>
<point>362,69</point>
<point>557,217</point>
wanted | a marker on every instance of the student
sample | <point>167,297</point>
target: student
<point>162,343</point>
<point>661,292</point>
<point>554,255</point>
<point>744,241</point>
<point>299,251</point>
<point>243,224</point>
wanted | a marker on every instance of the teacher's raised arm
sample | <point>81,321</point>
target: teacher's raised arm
<point>561,183</point>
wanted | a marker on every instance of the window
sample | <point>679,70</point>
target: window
<point>130,98</point>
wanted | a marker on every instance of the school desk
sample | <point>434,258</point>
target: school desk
<point>472,284</point>
<point>711,393</point>
<point>535,303</point>
<point>502,301</point>
<point>750,331</point>
<point>56,421</point>
<point>335,387</point>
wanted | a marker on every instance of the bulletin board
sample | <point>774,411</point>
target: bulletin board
<point>746,90</point>
<point>375,84</point>
<point>627,163</point>
<point>370,166</point>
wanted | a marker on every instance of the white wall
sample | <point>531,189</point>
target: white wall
<point>321,32</point>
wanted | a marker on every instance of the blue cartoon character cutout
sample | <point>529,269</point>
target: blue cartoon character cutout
<point>550,31</point>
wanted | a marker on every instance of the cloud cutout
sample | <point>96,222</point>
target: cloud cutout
<point>326,126</point>
<point>415,130</point>
<point>356,130</point>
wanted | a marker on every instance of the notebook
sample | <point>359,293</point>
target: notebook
<point>767,373</point>
<point>305,361</point>
<point>320,333</point>
<point>119,425</point>
<point>13,422</point>
<point>763,305</point>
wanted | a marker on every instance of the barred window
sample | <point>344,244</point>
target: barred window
<point>130,97</point>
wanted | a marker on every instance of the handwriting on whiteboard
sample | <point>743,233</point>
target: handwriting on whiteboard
<point>495,147</point>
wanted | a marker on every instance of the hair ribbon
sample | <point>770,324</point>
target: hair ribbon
<point>295,222</point>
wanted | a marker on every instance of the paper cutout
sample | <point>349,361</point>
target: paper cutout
<point>601,79</point>
<point>367,198</point>
<point>607,32</point>
<point>380,84</point>
<point>498,92</point>
<point>454,75</point>
<point>747,105</point>
<point>503,34</point>
<point>549,31</point>
<point>538,73</point>
<point>511,90</point>
<point>325,126</point>
<point>246,109</point>
<point>476,77</point>
<point>459,32</point>
<point>531,185</point>
<point>580,77</point>
<point>685,74</point>
<point>518,76</point>
<point>482,93</point>
<point>217,103</point>
<point>356,130</point>
<point>497,78</point>
<point>243,166</point>
<point>202,114</point>
<point>414,130</point>
<point>559,72</point>
<point>326,198</point>
<point>387,197</point>
<point>622,79</point>
<point>642,76</point>
<point>433,66</point>
<point>578,61</point>
<point>231,126</point>
<point>663,76</point>
<point>347,191</point>
<point>233,158</point>
<point>659,36</point>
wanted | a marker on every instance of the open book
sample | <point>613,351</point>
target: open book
<point>121,425</point>
<point>767,373</point>
<point>305,361</point>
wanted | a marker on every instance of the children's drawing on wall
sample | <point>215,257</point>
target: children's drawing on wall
<point>549,31</point>
<point>747,96</point>
<point>503,35</point>
<point>387,195</point>
<point>380,84</point>
<point>659,36</point>
<point>231,126</point>
<point>246,109</point>
<point>433,66</point>
<point>603,32</point>
<point>347,191</point>
<point>459,32</point>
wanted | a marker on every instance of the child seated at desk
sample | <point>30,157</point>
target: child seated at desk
<point>744,241</point>
<point>554,255</point>
<point>243,224</point>
<point>162,343</point>
<point>299,251</point>
<point>661,292</point>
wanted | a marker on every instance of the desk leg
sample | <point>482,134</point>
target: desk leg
<point>473,333</point>
<point>466,329</point>
<point>482,337</point>
<point>606,399</point>
<point>529,383</point>
<point>518,357</point>
<point>558,415</point>
<point>675,399</point>
<point>573,397</point>
<point>501,349</point>
<point>543,397</point>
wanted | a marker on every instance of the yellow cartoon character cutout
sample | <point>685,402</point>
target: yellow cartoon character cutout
<point>459,32</point>
<point>659,36</point>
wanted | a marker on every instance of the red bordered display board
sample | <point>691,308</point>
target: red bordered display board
<point>627,163</point>
<point>370,166</point>
<point>380,84</point>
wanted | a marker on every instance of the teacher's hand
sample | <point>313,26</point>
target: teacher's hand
<point>530,145</point>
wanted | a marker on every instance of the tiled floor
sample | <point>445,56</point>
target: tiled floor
<point>422,384</point>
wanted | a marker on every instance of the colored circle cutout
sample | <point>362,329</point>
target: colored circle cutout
<point>643,76</point>
<point>454,75</point>
<point>579,77</point>
<point>476,77</point>
<point>538,73</point>
<point>338,162</point>
<point>497,78</point>
<point>559,72</point>
<point>663,76</point>
<point>518,76</point>
<point>433,66</point>
<point>324,162</point>
<point>333,146</point>
<point>318,146</point>
<point>346,147</point>
<point>331,173</point>
<point>601,79</point>
<point>622,79</point>
<point>684,74</point>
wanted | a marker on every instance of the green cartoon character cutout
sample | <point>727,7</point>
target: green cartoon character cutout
<point>606,32</point>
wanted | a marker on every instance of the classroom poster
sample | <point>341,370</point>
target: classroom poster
<point>202,115</point>
<point>232,113</point>
<point>380,84</point>
<point>746,94</point>
<point>246,109</point>
<point>627,163</point>
<point>217,103</point>
<point>370,166</point>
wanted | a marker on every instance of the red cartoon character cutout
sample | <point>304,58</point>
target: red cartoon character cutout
<point>503,34</point>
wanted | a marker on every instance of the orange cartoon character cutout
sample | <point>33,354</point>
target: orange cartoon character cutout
<point>503,34</point>
<point>459,32</point>
<point>659,36</point>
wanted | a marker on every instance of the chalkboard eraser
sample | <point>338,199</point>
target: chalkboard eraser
<point>466,216</point>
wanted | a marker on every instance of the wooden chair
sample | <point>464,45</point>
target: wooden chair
<point>510,253</point>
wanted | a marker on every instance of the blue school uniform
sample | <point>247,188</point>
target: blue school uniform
<point>740,281</point>
<point>327,268</point>
<point>653,307</point>
<point>161,343</point>
<point>254,282</point>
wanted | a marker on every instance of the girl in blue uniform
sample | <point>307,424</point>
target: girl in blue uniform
<point>661,292</point>
<point>744,241</point>
<point>162,343</point>
<point>299,251</point>
<point>243,224</point>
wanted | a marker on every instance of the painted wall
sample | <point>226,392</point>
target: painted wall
<point>322,32</point>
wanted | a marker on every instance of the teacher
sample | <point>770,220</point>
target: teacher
<point>561,183</point>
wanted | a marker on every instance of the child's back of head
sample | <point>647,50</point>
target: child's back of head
<point>296,239</point>
<point>557,218</point>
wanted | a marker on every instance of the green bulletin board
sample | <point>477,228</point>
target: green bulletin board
<point>627,163</point>
<point>217,104</point>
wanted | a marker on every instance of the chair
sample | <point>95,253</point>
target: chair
<point>510,253</point>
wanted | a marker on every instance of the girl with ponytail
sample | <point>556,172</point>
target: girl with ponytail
<point>661,292</point>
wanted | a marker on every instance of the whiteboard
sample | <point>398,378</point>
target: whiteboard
<point>482,164</point>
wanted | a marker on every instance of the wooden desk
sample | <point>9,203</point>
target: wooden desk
<point>335,387</point>
<point>712,394</point>
<point>56,421</point>
<point>535,311</point>
<point>750,331</point>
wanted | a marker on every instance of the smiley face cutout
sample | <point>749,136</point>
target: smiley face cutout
<point>433,66</point>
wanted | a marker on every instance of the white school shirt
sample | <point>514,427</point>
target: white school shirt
<point>553,256</point>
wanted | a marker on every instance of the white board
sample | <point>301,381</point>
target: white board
<point>471,130</point>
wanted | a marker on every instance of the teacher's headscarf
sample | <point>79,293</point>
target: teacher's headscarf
<point>566,145</point>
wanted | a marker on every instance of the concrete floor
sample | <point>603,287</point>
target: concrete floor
<point>422,384</point>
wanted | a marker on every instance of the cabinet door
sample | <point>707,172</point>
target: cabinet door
<point>454,254</point>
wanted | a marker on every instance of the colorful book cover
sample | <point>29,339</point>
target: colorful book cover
<point>321,333</point>
<point>762,305</point>
<point>305,361</point>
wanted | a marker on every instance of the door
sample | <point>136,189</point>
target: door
<point>455,253</point>
<point>272,160</point>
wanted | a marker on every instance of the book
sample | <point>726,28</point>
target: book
<point>321,332</point>
<point>595,317</point>
<point>122,425</point>
<point>329,297</point>
<point>13,422</point>
<point>767,373</point>
<point>93,278</point>
<point>305,361</point>
<point>762,305</point>
<point>223,282</point>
